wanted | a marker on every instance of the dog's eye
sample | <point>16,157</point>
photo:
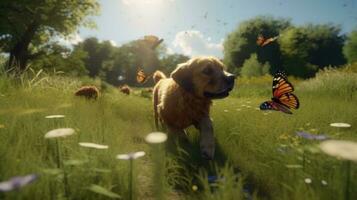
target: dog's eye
<point>207,70</point>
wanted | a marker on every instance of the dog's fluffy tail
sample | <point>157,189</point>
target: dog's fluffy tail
<point>158,75</point>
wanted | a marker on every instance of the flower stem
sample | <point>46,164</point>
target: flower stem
<point>348,173</point>
<point>65,179</point>
<point>58,154</point>
<point>303,160</point>
<point>131,180</point>
<point>59,166</point>
<point>158,181</point>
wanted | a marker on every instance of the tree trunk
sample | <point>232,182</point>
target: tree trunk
<point>19,54</point>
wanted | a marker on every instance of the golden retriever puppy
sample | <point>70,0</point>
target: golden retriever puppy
<point>185,98</point>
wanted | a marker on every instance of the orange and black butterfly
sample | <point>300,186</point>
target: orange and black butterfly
<point>283,98</point>
<point>262,41</point>
<point>141,77</point>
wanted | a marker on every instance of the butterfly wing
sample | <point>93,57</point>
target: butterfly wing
<point>282,74</point>
<point>289,100</point>
<point>272,105</point>
<point>260,40</point>
<point>283,100</point>
<point>267,41</point>
<point>281,85</point>
<point>140,76</point>
<point>282,107</point>
<point>267,105</point>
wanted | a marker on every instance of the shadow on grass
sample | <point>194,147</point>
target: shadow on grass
<point>190,167</point>
<point>186,155</point>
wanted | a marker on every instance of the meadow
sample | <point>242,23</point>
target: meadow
<point>259,155</point>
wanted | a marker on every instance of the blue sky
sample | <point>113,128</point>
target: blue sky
<point>198,27</point>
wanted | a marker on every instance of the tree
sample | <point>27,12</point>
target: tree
<point>60,58</point>
<point>308,48</point>
<point>350,48</point>
<point>26,25</point>
<point>169,62</point>
<point>137,54</point>
<point>119,65</point>
<point>121,68</point>
<point>241,43</point>
<point>98,53</point>
<point>252,67</point>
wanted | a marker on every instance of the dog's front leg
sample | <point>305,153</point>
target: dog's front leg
<point>207,143</point>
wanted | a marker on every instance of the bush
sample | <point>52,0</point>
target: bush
<point>241,42</point>
<point>252,67</point>
<point>339,82</point>
<point>350,48</point>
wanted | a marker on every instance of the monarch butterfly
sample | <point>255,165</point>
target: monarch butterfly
<point>141,77</point>
<point>283,99</point>
<point>261,41</point>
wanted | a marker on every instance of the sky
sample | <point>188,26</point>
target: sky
<point>199,27</point>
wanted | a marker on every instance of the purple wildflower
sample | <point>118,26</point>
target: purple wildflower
<point>310,136</point>
<point>17,182</point>
<point>214,179</point>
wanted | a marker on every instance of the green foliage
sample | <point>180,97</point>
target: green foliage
<point>103,191</point>
<point>97,53</point>
<point>241,43</point>
<point>2,62</point>
<point>25,26</point>
<point>350,48</point>
<point>229,186</point>
<point>169,62</point>
<point>301,51</point>
<point>122,64</point>
<point>59,58</point>
<point>262,146</point>
<point>141,56</point>
<point>252,67</point>
<point>110,63</point>
<point>340,82</point>
<point>309,48</point>
<point>112,126</point>
<point>350,68</point>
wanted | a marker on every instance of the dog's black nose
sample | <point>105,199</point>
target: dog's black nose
<point>231,78</point>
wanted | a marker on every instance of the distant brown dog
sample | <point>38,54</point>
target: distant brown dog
<point>125,89</point>
<point>184,99</point>
<point>89,92</point>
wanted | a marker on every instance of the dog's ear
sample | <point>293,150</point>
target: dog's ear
<point>183,76</point>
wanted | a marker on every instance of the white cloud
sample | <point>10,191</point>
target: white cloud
<point>193,43</point>
<point>70,40</point>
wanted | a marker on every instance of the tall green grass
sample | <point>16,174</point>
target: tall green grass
<point>255,151</point>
